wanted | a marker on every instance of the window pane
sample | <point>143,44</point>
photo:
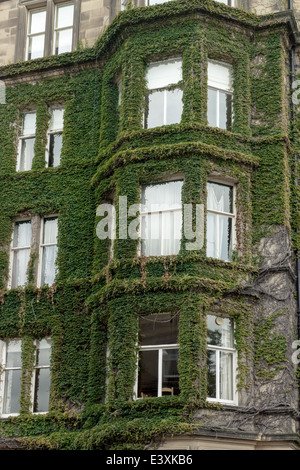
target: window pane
<point>220,334</point>
<point>13,354</point>
<point>162,196</point>
<point>150,234</point>
<point>212,107</point>
<point>48,266</point>
<point>148,374</point>
<point>225,238</point>
<point>37,22</point>
<point>219,197</point>
<point>161,328</point>
<point>219,76</point>
<point>12,390</point>
<point>50,230</point>
<point>42,390</point>
<point>211,235</point>
<point>225,110</point>
<point>226,375</point>
<point>27,153</point>
<point>36,46</point>
<point>170,377</point>
<point>22,234</point>
<point>43,353</point>
<point>156,109</point>
<point>156,2</point>
<point>163,74</point>
<point>174,106</point>
<point>64,16</point>
<point>63,41</point>
<point>20,265</point>
<point>57,117</point>
<point>211,374</point>
<point>171,232</point>
<point>29,123</point>
<point>55,146</point>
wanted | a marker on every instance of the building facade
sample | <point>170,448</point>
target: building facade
<point>149,224</point>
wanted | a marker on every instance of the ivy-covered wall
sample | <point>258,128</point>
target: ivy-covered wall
<point>92,310</point>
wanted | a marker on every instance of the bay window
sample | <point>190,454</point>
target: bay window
<point>220,220</point>
<point>158,356</point>
<point>221,359</point>
<point>26,142</point>
<point>161,218</point>
<point>219,95</point>
<point>164,95</point>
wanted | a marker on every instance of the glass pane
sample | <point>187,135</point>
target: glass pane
<point>163,74</point>
<point>219,197</point>
<point>22,234</point>
<point>37,22</point>
<point>220,331</point>
<point>64,17</point>
<point>36,46</point>
<point>211,374</point>
<point>29,123</point>
<point>151,235</point>
<point>156,109</point>
<point>212,107</point>
<point>27,153</point>
<point>156,2</point>
<point>57,117</point>
<point>226,375</point>
<point>225,237</point>
<point>225,111</point>
<point>55,146</point>
<point>174,106</point>
<point>63,41</point>
<point>48,266</point>
<point>219,76</point>
<point>12,390</point>
<point>42,390</point>
<point>162,196</point>
<point>20,265</point>
<point>43,353</point>
<point>148,374</point>
<point>170,377</point>
<point>50,230</point>
<point>171,232</point>
<point>161,328</point>
<point>13,354</point>
<point>211,235</point>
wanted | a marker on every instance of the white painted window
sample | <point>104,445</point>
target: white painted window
<point>36,34</point>
<point>41,377</point>
<point>53,152</point>
<point>164,96</point>
<point>10,383</point>
<point>48,251</point>
<point>11,374</point>
<point>158,356</point>
<point>230,3</point>
<point>220,229</point>
<point>26,142</point>
<point>219,95</point>
<point>161,218</point>
<point>63,28</point>
<point>221,359</point>
<point>20,253</point>
<point>123,5</point>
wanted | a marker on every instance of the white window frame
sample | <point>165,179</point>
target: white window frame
<point>218,89</point>
<point>226,214</point>
<point>35,368</point>
<point>41,247</point>
<point>51,132</point>
<point>55,29</point>
<point>14,249</point>
<point>164,89</point>
<point>3,369</point>
<point>232,351</point>
<point>160,348</point>
<point>29,35</point>
<point>24,137</point>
